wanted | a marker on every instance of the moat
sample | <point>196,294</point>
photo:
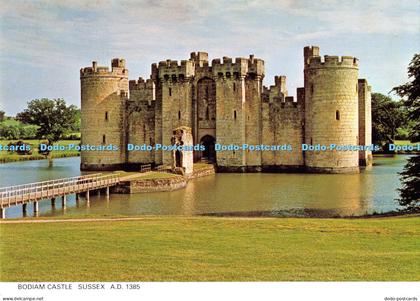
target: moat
<point>371,191</point>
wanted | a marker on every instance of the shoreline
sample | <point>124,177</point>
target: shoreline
<point>61,219</point>
<point>13,157</point>
<point>24,158</point>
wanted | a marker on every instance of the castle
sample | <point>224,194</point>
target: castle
<point>226,103</point>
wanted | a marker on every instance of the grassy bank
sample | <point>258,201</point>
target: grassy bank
<point>6,157</point>
<point>209,249</point>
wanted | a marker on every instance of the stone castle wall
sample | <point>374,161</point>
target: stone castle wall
<point>283,120</point>
<point>176,110</point>
<point>226,100</point>
<point>103,97</point>
<point>331,112</point>
<point>365,121</point>
<point>141,119</point>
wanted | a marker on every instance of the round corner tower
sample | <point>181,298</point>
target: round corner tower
<point>103,98</point>
<point>331,111</point>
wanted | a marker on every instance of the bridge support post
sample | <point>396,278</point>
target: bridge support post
<point>53,202</point>
<point>64,202</point>
<point>77,200</point>
<point>99,192</point>
<point>2,213</point>
<point>24,209</point>
<point>107,193</point>
<point>87,198</point>
<point>36,208</point>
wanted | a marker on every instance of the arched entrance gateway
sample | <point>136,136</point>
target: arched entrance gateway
<point>205,118</point>
<point>209,152</point>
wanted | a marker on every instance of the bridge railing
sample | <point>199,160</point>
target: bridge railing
<point>19,193</point>
<point>145,168</point>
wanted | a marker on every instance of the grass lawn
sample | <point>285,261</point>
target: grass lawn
<point>156,175</point>
<point>6,157</point>
<point>212,249</point>
<point>202,165</point>
<point>124,175</point>
<point>404,142</point>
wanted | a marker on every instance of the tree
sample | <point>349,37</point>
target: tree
<point>28,131</point>
<point>2,113</point>
<point>77,123</point>
<point>53,117</point>
<point>387,117</point>
<point>410,177</point>
<point>9,131</point>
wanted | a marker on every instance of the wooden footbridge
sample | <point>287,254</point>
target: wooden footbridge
<point>50,190</point>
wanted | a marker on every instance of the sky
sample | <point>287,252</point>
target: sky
<point>43,44</point>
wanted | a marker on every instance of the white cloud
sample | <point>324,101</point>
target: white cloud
<point>68,34</point>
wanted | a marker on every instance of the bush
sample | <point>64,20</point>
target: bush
<point>19,148</point>
<point>72,137</point>
<point>16,130</point>
<point>10,132</point>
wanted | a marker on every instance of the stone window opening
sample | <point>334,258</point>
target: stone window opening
<point>234,114</point>
<point>170,91</point>
<point>106,116</point>
<point>311,142</point>
<point>234,86</point>
<point>179,115</point>
<point>103,139</point>
<point>312,89</point>
<point>337,115</point>
<point>207,113</point>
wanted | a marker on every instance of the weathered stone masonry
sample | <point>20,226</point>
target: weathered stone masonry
<point>225,102</point>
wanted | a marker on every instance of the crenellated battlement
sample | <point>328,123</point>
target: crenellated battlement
<point>274,95</point>
<point>310,51</point>
<point>225,100</point>
<point>240,67</point>
<point>256,66</point>
<point>174,71</point>
<point>279,84</point>
<point>332,61</point>
<point>117,69</point>
<point>200,58</point>
<point>141,84</point>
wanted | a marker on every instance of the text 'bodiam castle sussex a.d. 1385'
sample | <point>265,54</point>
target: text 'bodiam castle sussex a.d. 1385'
<point>225,103</point>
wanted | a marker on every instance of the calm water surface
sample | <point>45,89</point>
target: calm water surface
<point>228,194</point>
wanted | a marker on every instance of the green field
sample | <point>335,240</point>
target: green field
<point>404,142</point>
<point>212,249</point>
<point>6,157</point>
